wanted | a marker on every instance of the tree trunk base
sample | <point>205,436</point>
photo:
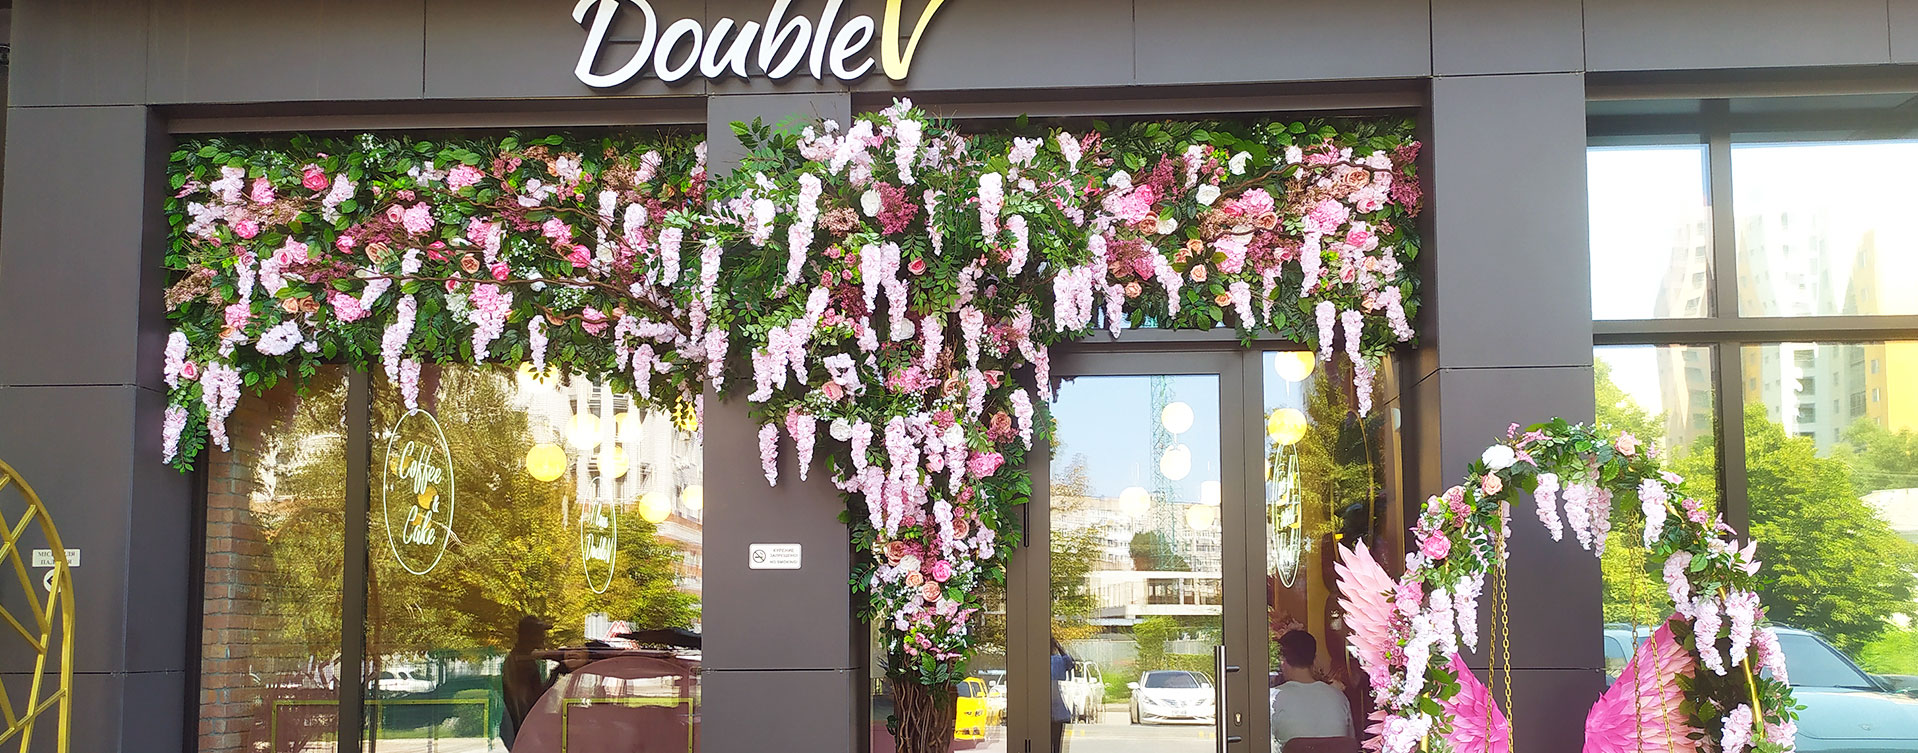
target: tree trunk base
<point>927,714</point>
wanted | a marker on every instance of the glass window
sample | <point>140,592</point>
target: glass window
<point>1834,498</point>
<point>1329,480</point>
<point>1662,395</point>
<point>1836,245</point>
<point>275,538</point>
<point>527,583</point>
<point>1137,561</point>
<point>1651,233</point>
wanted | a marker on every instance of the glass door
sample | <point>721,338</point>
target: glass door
<point>1143,582</point>
<point>1191,513</point>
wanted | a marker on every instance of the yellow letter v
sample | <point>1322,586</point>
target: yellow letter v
<point>895,65</point>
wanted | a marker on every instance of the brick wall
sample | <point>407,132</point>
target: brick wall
<point>245,664</point>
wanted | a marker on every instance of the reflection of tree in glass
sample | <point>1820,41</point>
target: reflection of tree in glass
<point>515,546</point>
<point>1835,566</point>
<point>1076,551</point>
<point>1336,475</point>
<point>298,486</point>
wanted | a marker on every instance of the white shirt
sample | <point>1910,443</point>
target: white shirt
<point>1309,709</point>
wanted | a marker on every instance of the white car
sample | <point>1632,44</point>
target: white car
<point>403,681</point>
<point>1172,695</point>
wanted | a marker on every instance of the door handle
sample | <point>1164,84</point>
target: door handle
<point>1220,670</point>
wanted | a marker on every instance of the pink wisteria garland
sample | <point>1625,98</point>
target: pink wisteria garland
<point>391,253</point>
<point>884,295</point>
<point>1713,676</point>
<point>899,283</point>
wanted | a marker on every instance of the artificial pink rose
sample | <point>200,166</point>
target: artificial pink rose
<point>470,264</point>
<point>1435,546</point>
<point>914,579</point>
<point>593,321</point>
<point>238,314</point>
<point>436,251</point>
<point>834,392</point>
<point>345,244</point>
<point>262,191</point>
<point>942,571</point>
<point>463,176</point>
<point>917,266</point>
<point>1198,273</point>
<point>1455,495</point>
<point>246,228</point>
<point>993,376</point>
<point>190,371</point>
<point>290,305</point>
<point>983,464</point>
<point>894,551</point>
<point>579,256</point>
<point>960,528</point>
<point>396,214</point>
<point>556,230</point>
<point>1627,444</point>
<point>314,178</point>
<point>1132,290</point>
<point>500,271</point>
<point>929,592</point>
<point>418,218</point>
<point>346,307</point>
<point>1490,484</point>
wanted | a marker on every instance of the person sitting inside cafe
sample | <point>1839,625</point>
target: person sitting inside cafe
<point>1312,713</point>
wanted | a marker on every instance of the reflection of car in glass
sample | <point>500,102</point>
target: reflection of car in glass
<point>975,713</point>
<point>403,681</point>
<point>1083,691</point>
<point>1172,696</point>
<point>1846,709</point>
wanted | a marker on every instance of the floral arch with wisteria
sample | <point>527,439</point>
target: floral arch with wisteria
<point>1712,678</point>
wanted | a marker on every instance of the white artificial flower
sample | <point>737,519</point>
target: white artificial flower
<point>1120,180</point>
<point>1208,193</point>
<point>870,202</point>
<point>840,429</point>
<point>1167,225</point>
<point>1499,457</point>
<point>1237,164</point>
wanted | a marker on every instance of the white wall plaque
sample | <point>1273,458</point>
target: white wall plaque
<point>44,558</point>
<point>772,556</point>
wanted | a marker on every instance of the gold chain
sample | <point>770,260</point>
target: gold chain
<point>1503,611</point>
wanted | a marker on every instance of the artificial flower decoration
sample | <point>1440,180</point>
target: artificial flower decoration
<point>1711,678</point>
<point>883,293</point>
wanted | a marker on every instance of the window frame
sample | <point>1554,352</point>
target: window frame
<point>1723,329</point>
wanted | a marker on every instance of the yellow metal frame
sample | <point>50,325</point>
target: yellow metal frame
<point>58,606</point>
<point>485,704</point>
<point>567,704</point>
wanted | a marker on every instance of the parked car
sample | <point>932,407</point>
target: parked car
<point>1083,691</point>
<point>403,680</point>
<point>975,712</point>
<point>1172,695</point>
<point>1846,709</point>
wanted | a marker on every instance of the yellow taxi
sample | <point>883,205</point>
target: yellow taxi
<point>975,713</point>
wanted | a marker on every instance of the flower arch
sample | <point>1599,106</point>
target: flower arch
<point>1711,678</point>
<point>893,286</point>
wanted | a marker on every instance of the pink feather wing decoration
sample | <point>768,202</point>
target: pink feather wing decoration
<point>1471,711</point>
<point>1641,710</point>
<point>1365,595</point>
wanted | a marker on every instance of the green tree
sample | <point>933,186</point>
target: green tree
<point>1835,566</point>
<point>1634,591</point>
<point>1880,458</point>
<point>1075,552</point>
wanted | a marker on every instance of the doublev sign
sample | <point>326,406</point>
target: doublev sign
<point>778,46</point>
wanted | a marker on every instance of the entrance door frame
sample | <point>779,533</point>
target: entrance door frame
<point>1242,533</point>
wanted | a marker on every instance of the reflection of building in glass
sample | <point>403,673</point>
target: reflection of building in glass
<point>1130,583</point>
<point>1817,391</point>
<point>1684,374</point>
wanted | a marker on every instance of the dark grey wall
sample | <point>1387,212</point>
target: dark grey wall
<point>1507,329</point>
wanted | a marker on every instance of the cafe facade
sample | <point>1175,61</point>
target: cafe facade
<point>1619,218</point>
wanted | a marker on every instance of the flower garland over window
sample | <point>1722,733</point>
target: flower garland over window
<point>894,285</point>
<point>1712,678</point>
